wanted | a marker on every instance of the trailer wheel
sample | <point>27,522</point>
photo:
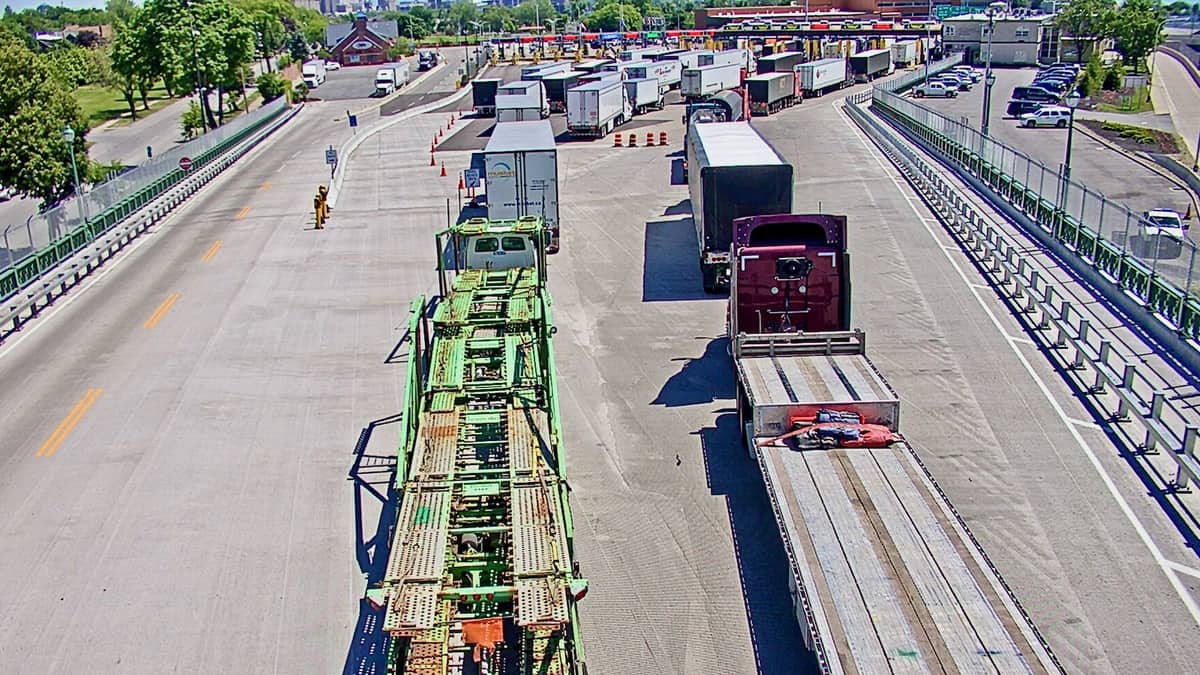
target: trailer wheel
<point>710,278</point>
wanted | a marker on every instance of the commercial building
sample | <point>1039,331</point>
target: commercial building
<point>361,42</point>
<point>1016,40</point>
<point>832,10</point>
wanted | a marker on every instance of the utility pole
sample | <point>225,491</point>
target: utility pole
<point>989,78</point>
<point>196,64</point>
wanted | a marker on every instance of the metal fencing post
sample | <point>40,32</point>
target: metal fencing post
<point>1187,286</point>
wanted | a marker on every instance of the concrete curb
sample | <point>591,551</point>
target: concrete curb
<point>351,145</point>
<point>1149,164</point>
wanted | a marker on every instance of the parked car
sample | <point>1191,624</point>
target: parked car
<point>1049,116</point>
<point>1054,86</point>
<point>1035,94</point>
<point>7,193</point>
<point>963,82</point>
<point>1164,222</point>
<point>1016,108</point>
<point>970,72</point>
<point>332,65</point>
<point>936,89</point>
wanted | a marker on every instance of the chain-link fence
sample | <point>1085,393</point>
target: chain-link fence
<point>51,235</point>
<point>1157,265</point>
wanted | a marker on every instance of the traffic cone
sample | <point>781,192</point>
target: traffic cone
<point>433,147</point>
<point>662,138</point>
<point>649,139</point>
<point>460,182</point>
<point>431,160</point>
<point>443,169</point>
<point>439,132</point>
<point>617,140</point>
<point>451,118</point>
<point>633,140</point>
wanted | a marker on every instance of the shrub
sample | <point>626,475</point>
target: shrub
<point>1139,135</point>
<point>270,85</point>
<point>299,92</point>
<point>191,121</point>
<point>1114,77</point>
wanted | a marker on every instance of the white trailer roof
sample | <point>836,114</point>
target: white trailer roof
<point>776,57</point>
<point>519,136</point>
<point>508,101</point>
<point>734,144</point>
<point>770,76</point>
<point>564,75</point>
<point>519,87</point>
<point>598,85</point>
<point>873,52</point>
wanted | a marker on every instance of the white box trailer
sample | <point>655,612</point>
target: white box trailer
<point>668,73</point>
<point>688,59</point>
<point>642,53</point>
<point>818,77</point>
<point>521,170</point>
<point>644,94</point>
<point>520,108</point>
<point>534,73</point>
<point>596,108</point>
<point>524,88</point>
<point>904,52</point>
<point>739,56</point>
<point>314,73</point>
<point>700,83</point>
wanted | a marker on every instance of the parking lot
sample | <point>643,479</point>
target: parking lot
<point>1093,164</point>
<point>355,82</point>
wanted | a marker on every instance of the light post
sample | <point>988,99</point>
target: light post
<point>928,39</point>
<point>1073,99</point>
<point>68,136</point>
<point>1196,161</point>
<point>989,78</point>
<point>196,64</point>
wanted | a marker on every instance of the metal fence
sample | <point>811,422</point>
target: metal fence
<point>43,234</point>
<point>1157,268</point>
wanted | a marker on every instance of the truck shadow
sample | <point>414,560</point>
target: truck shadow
<point>670,262</point>
<point>374,478</point>
<point>762,564</point>
<point>704,379</point>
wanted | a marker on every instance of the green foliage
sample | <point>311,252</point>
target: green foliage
<point>1139,29</point>
<point>299,92</point>
<point>460,15</point>
<point>270,86</point>
<point>609,15</point>
<point>72,66</point>
<point>134,66</point>
<point>297,47</point>
<point>1088,21</point>
<point>284,61</point>
<point>401,49</point>
<point>191,121</point>
<point>1092,77</point>
<point>533,12</point>
<point>498,18</point>
<point>1114,77</point>
<point>34,108</point>
<point>1139,135</point>
<point>98,172</point>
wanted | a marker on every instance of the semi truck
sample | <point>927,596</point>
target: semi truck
<point>427,59</point>
<point>539,72</point>
<point>521,170</point>
<point>880,564</point>
<point>643,53</point>
<point>783,62</point>
<point>723,106</point>
<point>699,83</point>
<point>314,73</point>
<point>644,95</point>
<point>732,172</point>
<point>591,65</point>
<point>522,88</point>
<point>905,52</point>
<point>741,57</point>
<point>817,77</point>
<point>391,78</point>
<point>521,107</point>
<point>483,96</point>
<point>482,574</point>
<point>871,64</point>
<point>596,108</point>
<point>687,59</point>
<point>771,92</point>
<point>557,86</point>
<point>668,73</point>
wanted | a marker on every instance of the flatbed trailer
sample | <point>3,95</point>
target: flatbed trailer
<point>481,575</point>
<point>884,575</point>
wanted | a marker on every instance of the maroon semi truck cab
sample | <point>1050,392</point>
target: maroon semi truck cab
<point>790,273</point>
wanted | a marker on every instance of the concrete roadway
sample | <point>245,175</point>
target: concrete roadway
<point>1175,91</point>
<point>177,434</point>
<point>1094,165</point>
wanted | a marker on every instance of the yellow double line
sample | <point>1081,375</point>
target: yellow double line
<point>161,311</point>
<point>69,423</point>
<point>243,213</point>
<point>212,251</point>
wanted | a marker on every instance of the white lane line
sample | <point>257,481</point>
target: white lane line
<point>1165,565</point>
<point>1084,423</point>
<point>1190,571</point>
<point>1020,340</point>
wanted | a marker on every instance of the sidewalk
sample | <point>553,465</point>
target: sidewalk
<point>1174,92</point>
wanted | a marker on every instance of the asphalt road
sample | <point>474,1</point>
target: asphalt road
<point>195,412</point>
<point>1176,92</point>
<point>1094,165</point>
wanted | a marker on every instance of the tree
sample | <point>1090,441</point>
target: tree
<point>271,86</point>
<point>609,16</point>
<point>34,108</point>
<point>533,12</point>
<point>1087,21</point>
<point>461,14</point>
<point>498,18</point>
<point>1139,29</point>
<point>121,11</point>
<point>72,66</point>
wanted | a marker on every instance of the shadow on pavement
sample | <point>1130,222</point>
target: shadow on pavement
<point>374,479</point>
<point>705,379</point>
<point>671,263</point>
<point>762,564</point>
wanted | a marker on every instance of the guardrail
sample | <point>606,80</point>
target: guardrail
<point>1158,270</point>
<point>1046,311</point>
<point>27,302</point>
<point>51,237</point>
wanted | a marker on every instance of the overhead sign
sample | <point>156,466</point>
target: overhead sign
<point>185,163</point>
<point>471,178</point>
<point>947,11</point>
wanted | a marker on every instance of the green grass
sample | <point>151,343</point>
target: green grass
<point>1137,102</point>
<point>100,104</point>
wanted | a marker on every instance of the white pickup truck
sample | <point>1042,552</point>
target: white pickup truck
<point>1164,222</point>
<point>934,90</point>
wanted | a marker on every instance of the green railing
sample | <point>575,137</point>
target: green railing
<point>1106,234</point>
<point>32,248</point>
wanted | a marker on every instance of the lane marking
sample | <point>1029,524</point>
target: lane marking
<point>264,187</point>
<point>161,311</point>
<point>243,213</point>
<point>1084,423</point>
<point>212,250</point>
<point>1190,571</point>
<point>68,424</point>
<point>1165,565</point>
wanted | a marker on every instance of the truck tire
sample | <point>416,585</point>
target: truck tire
<point>710,278</point>
<point>916,94</point>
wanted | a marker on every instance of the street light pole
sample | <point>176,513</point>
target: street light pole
<point>1072,102</point>
<point>988,77</point>
<point>68,135</point>
<point>928,39</point>
<point>196,64</point>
